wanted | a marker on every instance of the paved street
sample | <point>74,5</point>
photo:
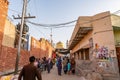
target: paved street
<point>51,76</point>
<point>54,76</point>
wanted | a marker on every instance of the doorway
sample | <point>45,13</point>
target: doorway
<point>118,56</point>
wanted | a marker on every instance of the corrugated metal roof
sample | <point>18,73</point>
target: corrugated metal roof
<point>79,36</point>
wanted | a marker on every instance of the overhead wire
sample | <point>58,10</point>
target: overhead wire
<point>55,25</point>
<point>116,12</point>
<point>64,26</point>
<point>45,25</point>
<point>60,24</point>
<point>38,29</point>
<point>51,25</point>
<point>10,18</point>
<point>28,1</point>
<point>14,11</point>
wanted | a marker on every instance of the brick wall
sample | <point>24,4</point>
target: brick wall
<point>0,41</point>
<point>8,54</point>
<point>41,48</point>
<point>3,15</point>
<point>8,58</point>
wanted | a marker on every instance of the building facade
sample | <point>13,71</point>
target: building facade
<point>9,34</point>
<point>94,42</point>
<point>41,48</point>
<point>3,16</point>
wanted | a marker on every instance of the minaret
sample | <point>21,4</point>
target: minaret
<point>67,44</point>
<point>51,37</point>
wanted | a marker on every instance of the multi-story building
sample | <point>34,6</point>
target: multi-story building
<point>95,40</point>
<point>3,16</point>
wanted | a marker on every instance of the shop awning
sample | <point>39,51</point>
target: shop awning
<point>79,36</point>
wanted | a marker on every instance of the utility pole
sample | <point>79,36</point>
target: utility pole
<point>21,30</point>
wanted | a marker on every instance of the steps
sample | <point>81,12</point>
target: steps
<point>111,76</point>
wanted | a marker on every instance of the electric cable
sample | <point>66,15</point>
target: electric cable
<point>28,1</point>
<point>54,25</point>
<point>51,25</point>
<point>60,25</point>
<point>14,11</point>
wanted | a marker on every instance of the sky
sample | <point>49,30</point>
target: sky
<point>56,12</point>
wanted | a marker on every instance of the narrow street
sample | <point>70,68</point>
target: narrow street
<point>82,36</point>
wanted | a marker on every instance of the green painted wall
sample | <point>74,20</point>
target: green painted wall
<point>117,36</point>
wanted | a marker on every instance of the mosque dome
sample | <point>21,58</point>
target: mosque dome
<point>59,45</point>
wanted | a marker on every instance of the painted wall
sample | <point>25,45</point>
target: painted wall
<point>103,32</point>
<point>115,20</point>
<point>116,24</point>
<point>103,52</point>
<point>9,34</point>
<point>117,37</point>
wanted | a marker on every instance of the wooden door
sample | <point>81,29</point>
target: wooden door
<point>87,54</point>
<point>118,56</point>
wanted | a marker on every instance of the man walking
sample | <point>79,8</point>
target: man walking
<point>59,66</point>
<point>30,71</point>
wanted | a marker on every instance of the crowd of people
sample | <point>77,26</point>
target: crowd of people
<point>62,63</point>
<point>45,64</point>
<point>65,64</point>
<point>30,71</point>
<point>37,65</point>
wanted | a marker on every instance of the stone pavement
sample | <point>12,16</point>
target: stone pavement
<point>49,76</point>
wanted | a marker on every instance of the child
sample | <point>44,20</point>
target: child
<point>68,66</point>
